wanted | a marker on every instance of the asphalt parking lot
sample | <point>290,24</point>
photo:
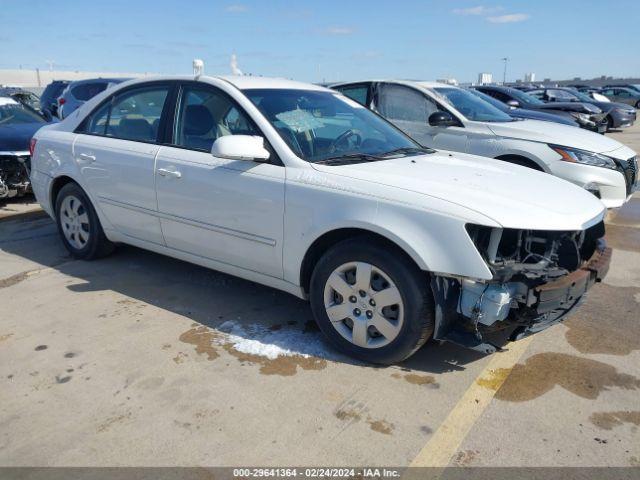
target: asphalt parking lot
<point>142,360</point>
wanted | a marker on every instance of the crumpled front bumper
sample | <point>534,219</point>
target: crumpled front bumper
<point>553,302</point>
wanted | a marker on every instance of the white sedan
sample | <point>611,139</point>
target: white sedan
<point>299,188</point>
<point>450,118</point>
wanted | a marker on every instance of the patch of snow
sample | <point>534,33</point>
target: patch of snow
<point>260,340</point>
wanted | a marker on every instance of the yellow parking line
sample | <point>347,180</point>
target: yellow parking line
<point>446,440</point>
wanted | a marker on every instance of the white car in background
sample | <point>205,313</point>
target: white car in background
<point>299,188</point>
<point>450,118</point>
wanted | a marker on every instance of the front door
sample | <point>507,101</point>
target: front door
<point>116,150</point>
<point>231,211</point>
<point>409,110</point>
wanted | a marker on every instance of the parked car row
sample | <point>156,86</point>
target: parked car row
<point>450,118</point>
<point>337,196</point>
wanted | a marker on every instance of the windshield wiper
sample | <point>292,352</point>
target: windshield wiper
<point>349,158</point>
<point>407,150</point>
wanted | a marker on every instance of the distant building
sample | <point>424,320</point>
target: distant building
<point>485,78</point>
<point>448,81</point>
<point>529,77</point>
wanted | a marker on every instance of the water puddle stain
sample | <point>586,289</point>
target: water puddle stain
<point>13,280</point>
<point>352,412</point>
<point>609,420</point>
<point>416,379</point>
<point>594,329</point>
<point>623,238</point>
<point>542,372</point>
<point>5,337</point>
<point>284,365</point>
<point>202,338</point>
<point>381,426</point>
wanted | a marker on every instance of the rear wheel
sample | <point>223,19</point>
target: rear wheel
<point>609,123</point>
<point>79,225</point>
<point>371,301</point>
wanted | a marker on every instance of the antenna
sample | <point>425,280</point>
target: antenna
<point>504,74</point>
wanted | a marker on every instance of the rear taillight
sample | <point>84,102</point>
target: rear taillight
<point>61,101</point>
<point>32,146</point>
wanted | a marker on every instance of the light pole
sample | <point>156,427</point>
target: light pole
<point>504,74</point>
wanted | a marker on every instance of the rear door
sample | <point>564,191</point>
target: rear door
<point>116,150</point>
<point>231,211</point>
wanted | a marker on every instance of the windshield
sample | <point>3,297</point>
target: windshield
<point>472,107</point>
<point>524,98</point>
<point>320,125</point>
<point>496,103</point>
<point>14,113</point>
<point>583,97</point>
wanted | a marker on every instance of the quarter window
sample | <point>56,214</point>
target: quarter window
<point>204,115</point>
<point>357,92</point>
<point>133,115</point>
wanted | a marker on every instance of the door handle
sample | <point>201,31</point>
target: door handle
<point>88,158</point>
<point>165,172</point>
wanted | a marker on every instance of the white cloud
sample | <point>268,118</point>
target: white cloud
<point>479,10</point>
<point>339,31</point>
<point>237,8</point>
<point>510,18</point>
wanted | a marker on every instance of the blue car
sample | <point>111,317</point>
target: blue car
<point>523,112</point>
<point>18,123</point>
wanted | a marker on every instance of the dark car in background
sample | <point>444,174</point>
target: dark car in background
<point>588,116</point>
<point>632,86</point>
<point>18,123</point>
<point>49,97</point>
<point>627,95</point>
<point>618,115</point>
<point>522,112</point>
<point>22,96</point>
<point>79,92</point>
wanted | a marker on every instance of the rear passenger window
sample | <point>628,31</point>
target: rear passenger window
<point>134,115</point>
<point>87,91</point>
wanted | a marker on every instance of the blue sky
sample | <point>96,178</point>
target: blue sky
<point>331,40</point>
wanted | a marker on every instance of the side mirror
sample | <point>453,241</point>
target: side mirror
<point>442,119</point>
<point>240,147</point>
<point>513,103</point>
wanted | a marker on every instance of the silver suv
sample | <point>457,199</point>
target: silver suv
<point>79,92</point>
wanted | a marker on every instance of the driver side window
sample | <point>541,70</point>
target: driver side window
<point>206,114</point>
<point>397,102</point>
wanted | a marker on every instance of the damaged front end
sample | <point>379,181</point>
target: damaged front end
<point>539,277</point>
<point>14,174</point>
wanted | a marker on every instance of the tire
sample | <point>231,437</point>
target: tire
<point>609,123</point>
<point>638,104</point>
<point>79,226</point>
<point>407,324</point>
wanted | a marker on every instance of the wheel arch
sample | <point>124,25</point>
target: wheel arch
<point>522,160</point>
<point>56,185</point>
<point>330,238</point>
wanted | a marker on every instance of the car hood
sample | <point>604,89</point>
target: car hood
<point>564,135</point>
<point>537,115</point>
<point>16,138</point>
<point>510,195</point>
<point>566,107</point>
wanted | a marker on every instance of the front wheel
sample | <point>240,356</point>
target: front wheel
<point>372,301</point>
<point>79,225</point>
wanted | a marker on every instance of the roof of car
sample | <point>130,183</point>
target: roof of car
<point>242,82</point>
<point>417,83</point>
